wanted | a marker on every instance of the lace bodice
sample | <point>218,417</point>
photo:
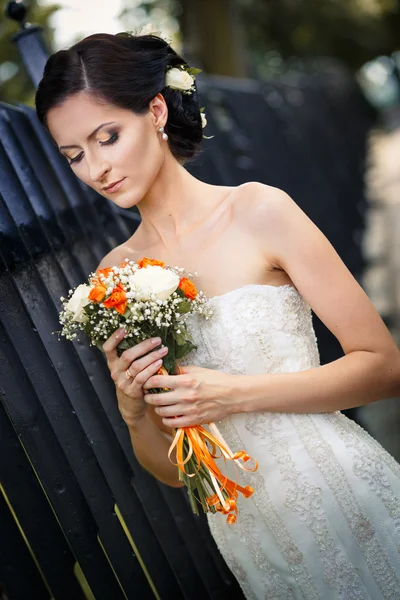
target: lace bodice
<point>255,329</point>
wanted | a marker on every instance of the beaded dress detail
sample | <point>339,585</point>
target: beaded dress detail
<point>324,520</point>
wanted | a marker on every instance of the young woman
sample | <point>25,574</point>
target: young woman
<point>324,521</point>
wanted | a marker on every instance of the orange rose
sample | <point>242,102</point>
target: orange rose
<point>97,293</point>
<point>117,300</point>
<point>188,288</point>
<point>149,262</point>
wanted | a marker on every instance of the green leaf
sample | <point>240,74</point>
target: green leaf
<point>88,329</point>
<point>180,338</point>
<point>193,70</point>
<point>181,351</point>
<point>127,313</point>
<point>184,307</point>
<point>169,361</point>
<point>188,335</point>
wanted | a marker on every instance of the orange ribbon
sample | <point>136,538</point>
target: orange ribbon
<point>226,490</point>
<point>198,440</point>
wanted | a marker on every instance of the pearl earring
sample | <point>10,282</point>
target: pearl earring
<point>163,134</point>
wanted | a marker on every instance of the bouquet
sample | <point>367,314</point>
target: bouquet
<point>149,299</point>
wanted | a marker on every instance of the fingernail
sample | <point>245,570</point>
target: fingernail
<point>158,363</point>
<point>163,350</point>
<point>156,341</point>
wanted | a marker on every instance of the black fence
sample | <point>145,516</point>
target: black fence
<point>79,517</point>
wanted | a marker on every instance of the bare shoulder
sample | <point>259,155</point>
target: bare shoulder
<point>255,200</point>
<point>267,213</point>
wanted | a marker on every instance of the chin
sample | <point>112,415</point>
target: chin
<point>126,200</point>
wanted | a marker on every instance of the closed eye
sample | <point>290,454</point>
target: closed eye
<point>77,158</point>
<point>111,140</point>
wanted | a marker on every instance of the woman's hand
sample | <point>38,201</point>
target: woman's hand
<point>131,371</point>
<point>196,396</point>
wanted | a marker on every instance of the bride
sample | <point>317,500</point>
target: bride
<point>324,521</point>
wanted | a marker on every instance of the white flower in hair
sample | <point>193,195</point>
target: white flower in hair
<point>203,120</point>
<point>179,79</point>
<point>149,29</point>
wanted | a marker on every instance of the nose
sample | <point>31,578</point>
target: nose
<point>97,172</point>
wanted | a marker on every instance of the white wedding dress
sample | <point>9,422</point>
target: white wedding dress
<point>324,520</point>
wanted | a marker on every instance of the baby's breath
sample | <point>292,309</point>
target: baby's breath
<point>142,318</point>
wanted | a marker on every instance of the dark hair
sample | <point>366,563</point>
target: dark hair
<point>127,71</point>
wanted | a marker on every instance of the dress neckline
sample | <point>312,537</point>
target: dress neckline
<point>254,285</point>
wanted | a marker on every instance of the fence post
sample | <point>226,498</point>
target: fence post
<point>29,40</point>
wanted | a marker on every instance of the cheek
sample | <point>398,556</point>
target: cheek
<point>133,154</point>
<point>140,161</point>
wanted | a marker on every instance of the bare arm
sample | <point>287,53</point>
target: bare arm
<point>370,369</point>
<point>151,446</point>
<point>353,380</point>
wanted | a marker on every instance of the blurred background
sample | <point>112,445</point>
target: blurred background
<point>299,94</point>
<point>239,38</point>
<point>288,44</point>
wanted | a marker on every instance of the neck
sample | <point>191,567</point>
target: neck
<point>174,203</point>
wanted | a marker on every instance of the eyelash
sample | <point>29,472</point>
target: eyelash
<point>113,138</point>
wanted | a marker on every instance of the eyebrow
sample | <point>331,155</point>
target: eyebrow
<point>90,136</point>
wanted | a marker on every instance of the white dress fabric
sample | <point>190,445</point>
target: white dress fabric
<point>324,520</point>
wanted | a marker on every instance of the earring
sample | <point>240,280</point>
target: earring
<point>163,134</point>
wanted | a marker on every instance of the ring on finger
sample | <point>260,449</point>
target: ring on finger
<point>128,374</point>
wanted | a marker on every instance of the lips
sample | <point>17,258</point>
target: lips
<point>114,187</point>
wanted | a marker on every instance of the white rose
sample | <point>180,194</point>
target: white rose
<point>145,30</point>
<point>78,300</point>
<point>149,30</point>
<point>153,280</point>
<point>203,120</point>
<point>178,79</point>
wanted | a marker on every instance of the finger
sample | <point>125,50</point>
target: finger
<point>133,386</point>
<point>142,363</point>
<point>175,410</point>
<point>169,381</point>
<point>142,377</point>
<point>177,422</point>
<point>110,345</point>
<point>162,399</point>
<point>138,350</point>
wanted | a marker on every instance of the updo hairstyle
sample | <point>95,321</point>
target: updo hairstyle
<point>127,71</point>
